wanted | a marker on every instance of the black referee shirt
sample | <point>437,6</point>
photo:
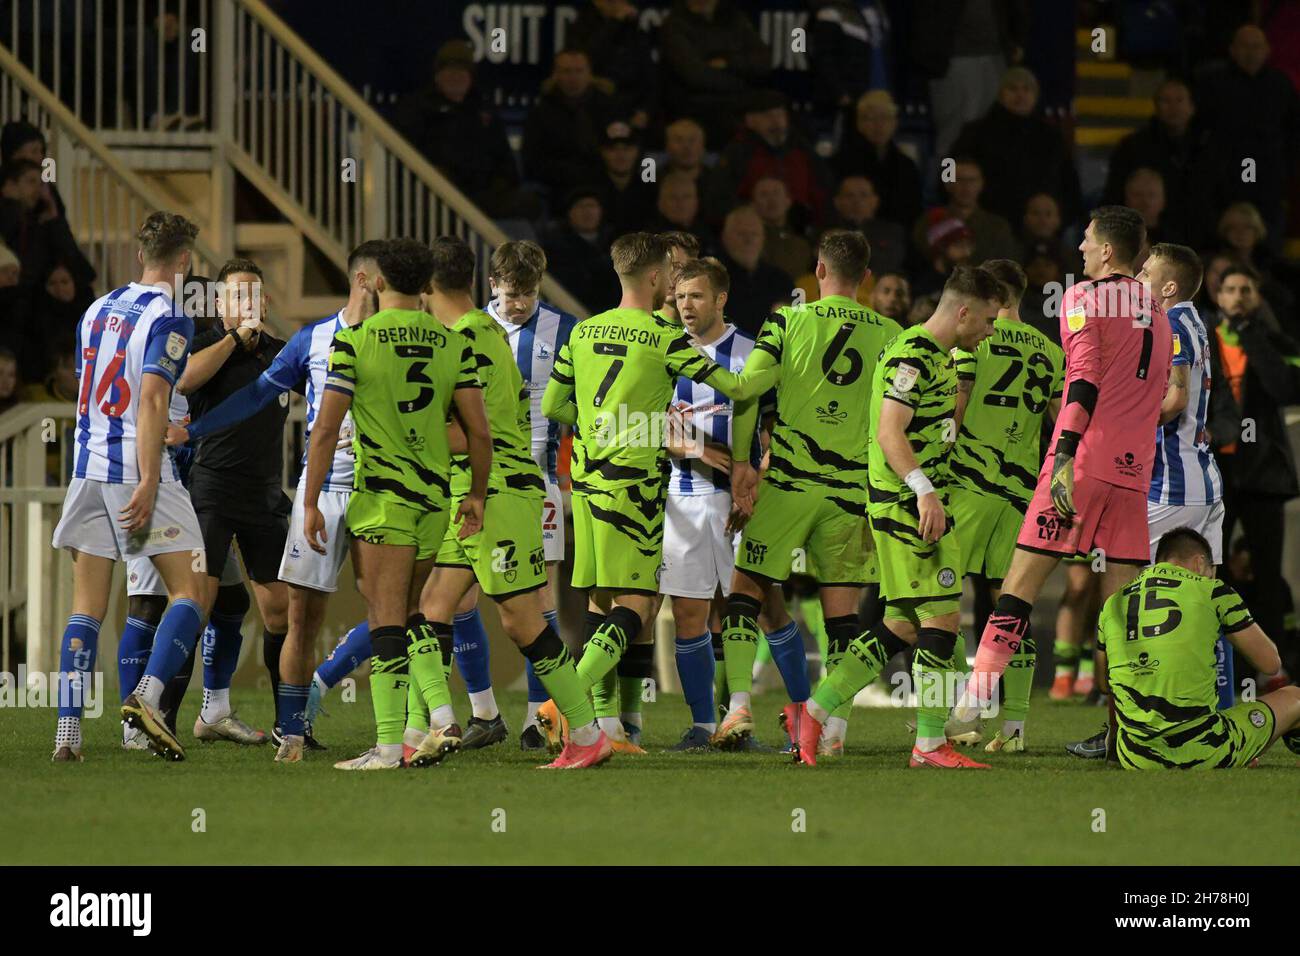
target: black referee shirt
<point>248,458</point>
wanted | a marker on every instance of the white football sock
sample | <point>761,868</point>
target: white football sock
<point>612,727</point>
<point>836,727</point>
<point>738,700</point>
<point>928,744</point>
<point>484,704</point>
<point>216,704</point>
<point>1012,727</point>
<point>149,690</point>
<point>68,733</point>
<point>585,736</point>
<point>530,719</point>
<point>443,716</point>
<point>818,712</point>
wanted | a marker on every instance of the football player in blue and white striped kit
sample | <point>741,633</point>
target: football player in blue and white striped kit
<point>1186,486</point>
<point>311,577</point>
<point>125,499</point>
<point>699,551</point>
<point>536,331</point>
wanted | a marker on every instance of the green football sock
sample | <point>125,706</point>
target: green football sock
<point>861,664</point>
<point>554,667</point>
<point>764,653</point>
<point>1086,662</point>
<point>607,645</point>
<point>417,711</point>
<point>1018,680</point>
<point>389,682</point>
<point>425,653</point>
<point>1067,658</point>
<point>629,695</point>
<point>740,637</point>
<point>840,633</point>
<point>604,695</point>
<point>931,667</point>
<point>719,669</point>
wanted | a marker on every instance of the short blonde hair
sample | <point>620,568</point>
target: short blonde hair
<point>1253,218</point>
<point>877,98</point>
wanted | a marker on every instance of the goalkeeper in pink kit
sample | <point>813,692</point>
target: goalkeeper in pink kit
<point>1091,493</point>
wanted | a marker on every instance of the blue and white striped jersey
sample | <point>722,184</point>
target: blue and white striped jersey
<point>1185,472</point>
<point>710,415</point>
<point>124,335</point>
<point>535,344</point>
<point>305,360</point>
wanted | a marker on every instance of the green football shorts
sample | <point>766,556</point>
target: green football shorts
<point>377,519</point>
<point>506,554</point>
<point>919,580</point>
<point>1228,738</point>
<point>618,537</point>
<point>987,528</point>
<point>809,532</point>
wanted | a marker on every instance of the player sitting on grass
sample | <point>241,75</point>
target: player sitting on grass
<point>1157,637</point>
<point>615,379</point>
<point>400,373</point>
<point>505,557</point>
<point>913,401</point>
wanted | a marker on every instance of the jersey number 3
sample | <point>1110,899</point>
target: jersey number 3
<point>415,374</point>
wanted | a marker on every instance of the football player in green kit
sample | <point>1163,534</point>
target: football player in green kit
<point>1004,388</point>
<point>913,407</point>
<point>614,379</point>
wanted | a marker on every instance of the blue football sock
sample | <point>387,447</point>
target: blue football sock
<point>790,659</point>
<point>77,663</point>
<point>133,653</point>
<point>222,640</point>
<point>470,647</point>
<point>537,693</point>
<point>695,670</point>
<point>290,707</point>
<point>347,656</point>
<point>178,632</point>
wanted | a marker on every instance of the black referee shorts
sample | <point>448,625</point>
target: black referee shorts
<point>258,519</point>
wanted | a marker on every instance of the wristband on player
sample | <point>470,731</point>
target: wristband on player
<point>919,484</point>
<point>234,334</point>
<point>1067,443</point>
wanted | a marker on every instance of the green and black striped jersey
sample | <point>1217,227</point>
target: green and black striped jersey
<point>401,367</point>
<point>506,399</point>
<point>622,367</point>
<point>917,371</point>
<point>827,352</point>
<point>1158,633</point>
<point>1016,374</point>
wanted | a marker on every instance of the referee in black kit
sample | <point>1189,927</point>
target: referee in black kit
<point>236,479</point>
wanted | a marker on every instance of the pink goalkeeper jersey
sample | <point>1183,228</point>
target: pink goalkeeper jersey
<point>1117,337</point>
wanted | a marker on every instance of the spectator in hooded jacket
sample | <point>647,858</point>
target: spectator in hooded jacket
<point>769,145</point>
<point>1251,110</point>
<point>1020,152</point>
<point>1175,146</point>
<point>869,150</point>
<point>451,125</point>
<point>562,133</point>
<point>577,251</point>
<point>992,233</point>
<point>610,33</point>
<point>625,195</point>
<point>712,58</point>
<point>1257,364</point>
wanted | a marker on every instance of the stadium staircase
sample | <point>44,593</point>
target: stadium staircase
<point>228,117</point>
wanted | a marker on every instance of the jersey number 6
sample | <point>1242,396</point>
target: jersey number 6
<point>832,355</point>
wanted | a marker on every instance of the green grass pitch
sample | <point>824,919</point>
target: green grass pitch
<point>864,808</point>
